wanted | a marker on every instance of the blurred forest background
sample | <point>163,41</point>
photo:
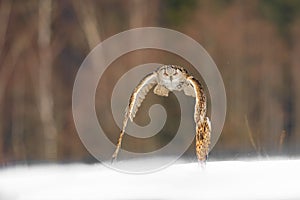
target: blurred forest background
<point>255,44</point>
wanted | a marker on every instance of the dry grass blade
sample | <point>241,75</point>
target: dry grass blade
<point>250,133</point>
<point>282,138</point>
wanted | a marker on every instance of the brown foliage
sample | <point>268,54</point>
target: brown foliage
<point>40,55</point>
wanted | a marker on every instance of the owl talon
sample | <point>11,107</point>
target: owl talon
<point>161,90</point>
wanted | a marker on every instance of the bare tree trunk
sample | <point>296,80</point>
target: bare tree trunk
<point>45,80</point>
<point>138,9</point>
<point>18,145</point>
<point>8,67</point>
<point>88,21</point>
<point>295,70</point>
<point>5,8</point>
<point>137,14</point>
<point>289,107</point>
<point>143,13</point>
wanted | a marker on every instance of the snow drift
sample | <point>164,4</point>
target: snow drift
<point>272,179</point>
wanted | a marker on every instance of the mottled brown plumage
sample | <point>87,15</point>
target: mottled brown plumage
<point>169,78</point>
<point>203,126</point>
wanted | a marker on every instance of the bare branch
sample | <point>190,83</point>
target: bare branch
<point>88,21</point>
<point>5,10</point>
<point>18,110</point>
<point>20,44</point>
<point>45,78</point>
<point>9,64</point>
<point>251,136</point>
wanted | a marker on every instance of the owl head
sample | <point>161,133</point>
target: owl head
<point>171,73</point>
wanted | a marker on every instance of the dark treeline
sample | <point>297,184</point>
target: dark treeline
<point>255,44</point>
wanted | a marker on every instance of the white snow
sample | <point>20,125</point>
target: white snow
<point>272,179</point>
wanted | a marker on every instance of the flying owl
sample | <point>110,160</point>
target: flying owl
<point>172,78</point>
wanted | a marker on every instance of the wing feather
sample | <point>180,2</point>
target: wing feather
<point>140,93</point>
<point>135,101</point>
<point>203,127</point>
<point>200,104</point>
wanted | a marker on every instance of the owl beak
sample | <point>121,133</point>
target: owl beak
<point>171,78</point>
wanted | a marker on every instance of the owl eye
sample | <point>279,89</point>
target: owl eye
<point>175,73</point>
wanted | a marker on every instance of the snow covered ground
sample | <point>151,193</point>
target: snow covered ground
<point>272,179</point>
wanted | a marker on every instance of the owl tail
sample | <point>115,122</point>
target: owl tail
<point>203,130</point>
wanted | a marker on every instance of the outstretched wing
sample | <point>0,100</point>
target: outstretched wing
<point>203,127</point>
<point>139,94</point>
<point>135,102</point>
